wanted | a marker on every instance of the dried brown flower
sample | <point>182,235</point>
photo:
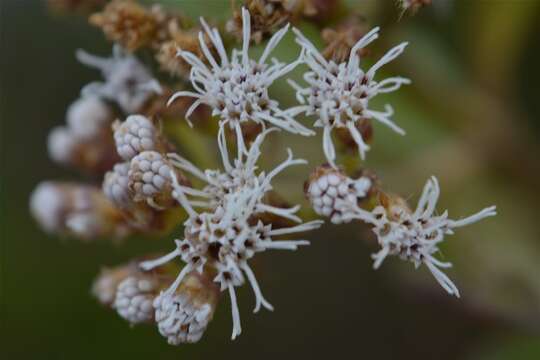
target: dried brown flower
<point>339,41</point>
<point>130,24</point>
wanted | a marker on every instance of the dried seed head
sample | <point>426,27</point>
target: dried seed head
<point>134,298</point>
<point>183,316</point>
<point>88,117</point>
<point>340,40</point>
<point>331,192</point>
<point>135,135</point>
<point>185,39</point>
<point>128,23</point>
<point>115,185</point>
<point>76,210</point>
<point>150,179</point>
<point>267,16</point>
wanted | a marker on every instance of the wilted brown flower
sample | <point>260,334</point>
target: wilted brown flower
<point>267,16</point>
<point>340,40</point>
<point>130,24</point>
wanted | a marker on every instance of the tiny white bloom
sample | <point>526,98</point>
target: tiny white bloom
<point>415,236</point>
<point>127,81</point>
<point>228,233</point>
<point>339,94</point>
<point>236,88</point>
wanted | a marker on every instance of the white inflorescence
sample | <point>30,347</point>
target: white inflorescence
<point>150,178</point>
<point>116,185</point>
<point>179,319</point>
<point>127,81</point>
<point>227,234</point>
<point>338,95</point>
<point>415,236</point>
<point>88,116</point>
<point>331,190</point>
<point>237,88</point>
<point>135,135</point>
<point>134,298</point>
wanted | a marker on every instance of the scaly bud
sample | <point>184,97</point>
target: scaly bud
<point>135,135</point>
<point>150,179</point>
<point>183,315</point>
<point>329,190</point>
<point>76,210</point>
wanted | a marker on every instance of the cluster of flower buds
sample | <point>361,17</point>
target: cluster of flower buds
<point>76,210</point>
<point>236,213</point>
<point>85,142</point>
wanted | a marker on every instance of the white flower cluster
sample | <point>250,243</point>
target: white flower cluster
<point>414,236</point>
<point>127,81</point>
<point>237,88</point>
<point>228,232</point>
<point>338,95</point>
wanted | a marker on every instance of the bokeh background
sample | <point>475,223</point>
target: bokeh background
<point>472,118</point>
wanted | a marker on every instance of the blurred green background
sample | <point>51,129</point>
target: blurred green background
<point>472,117</point>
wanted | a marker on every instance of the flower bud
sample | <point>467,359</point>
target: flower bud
<point>150,179</point>
<point>134,298</point>
<point>106,284</point>
<point>183,316</point>
<point>332,193</point>
<point>135,135</point>
<point>88,117</point>
<point>76,210</point>
<point>115,185</point>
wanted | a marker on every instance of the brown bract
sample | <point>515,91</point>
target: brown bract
<point>340,40</point>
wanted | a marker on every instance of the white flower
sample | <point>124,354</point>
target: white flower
<point>339,94</point>
<point>229,233</point>
<point>237,88</point>
<point>127,81</point>
<point>134,298</point>
<point>415,236</point>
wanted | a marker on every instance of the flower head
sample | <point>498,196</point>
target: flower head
<point>338,95</point>
<point>415,236</point>
<point>228,232</point>
<point>127,81</point>
<point>135,135</point>
<point>182,315</point>
<point>236,88</point>
<point>134,298</point>
<point>328,189</point>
